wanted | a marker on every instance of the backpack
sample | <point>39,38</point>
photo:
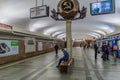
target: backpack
<point>115,47</point>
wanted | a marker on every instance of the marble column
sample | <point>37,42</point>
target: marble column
<point>69,37</point>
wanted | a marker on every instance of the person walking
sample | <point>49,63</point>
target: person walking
<point>104,48</point>
<point>56,49</point>
<point>107,51</point>
<point>95,49</point>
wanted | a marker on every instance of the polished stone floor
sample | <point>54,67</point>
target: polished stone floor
<point>43,67</point>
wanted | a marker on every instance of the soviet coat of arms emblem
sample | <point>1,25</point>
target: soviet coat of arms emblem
<point>68,9</point>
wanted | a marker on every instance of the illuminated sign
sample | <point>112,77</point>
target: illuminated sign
<point>5,27</point>
<point>39,11</point>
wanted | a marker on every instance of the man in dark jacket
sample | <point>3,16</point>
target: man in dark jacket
<point>95,49</point>
<point>56,48</point>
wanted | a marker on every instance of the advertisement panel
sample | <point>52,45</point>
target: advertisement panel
<point>30,44</point>
<point>9,47</point>
<point>52,44</point>
<point>40,46</point>
<point>119,45</point>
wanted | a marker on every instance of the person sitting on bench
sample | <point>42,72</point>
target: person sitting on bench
<point>64,58</point>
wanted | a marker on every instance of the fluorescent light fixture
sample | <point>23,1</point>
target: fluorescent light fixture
<point>61,36</point>
<point>49,31</point>
<point>57,33</point>
<point>101,32</point>
<point>107,29</point>
<point>95,34</point>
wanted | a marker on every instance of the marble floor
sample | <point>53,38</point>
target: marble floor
<point>43,67</point>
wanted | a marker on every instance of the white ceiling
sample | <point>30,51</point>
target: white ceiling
<point>17,12</point>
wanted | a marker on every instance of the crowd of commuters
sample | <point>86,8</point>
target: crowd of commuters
<point>106,49</point>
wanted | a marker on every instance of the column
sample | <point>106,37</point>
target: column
<point>69,37</point>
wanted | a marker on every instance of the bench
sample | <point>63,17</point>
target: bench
<point>64,66</point>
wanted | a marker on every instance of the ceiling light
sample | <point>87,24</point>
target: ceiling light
<point>57,33</point>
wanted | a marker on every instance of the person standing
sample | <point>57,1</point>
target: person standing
<point>104,49</point>
<point>108,51</point>
<point>95,49</point>
<point>114,50</point>
<point>56,49</point>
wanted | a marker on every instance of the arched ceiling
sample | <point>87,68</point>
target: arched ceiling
<point>17,14</point>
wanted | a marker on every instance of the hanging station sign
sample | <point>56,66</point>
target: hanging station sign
<point>39,11</point>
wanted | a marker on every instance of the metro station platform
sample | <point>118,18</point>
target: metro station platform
<point>43,67</point>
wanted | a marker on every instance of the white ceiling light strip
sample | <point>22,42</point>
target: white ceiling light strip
<point>57,33</point>
<point>95,34</point>
<point>101,32</point>
<point>61,36</point>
